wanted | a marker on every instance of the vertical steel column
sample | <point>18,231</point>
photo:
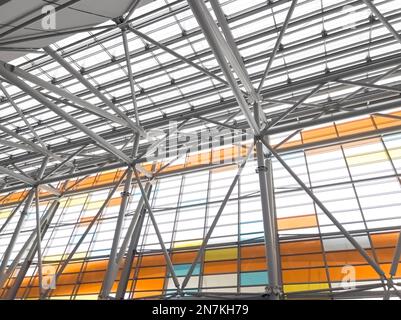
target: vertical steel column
<point>38,240</point>
<point>133,236</point>
<point>115,259</point>
<point>269,223</point>
<point>112,267</point>
<point>272,203</point>
<point>19,226</point>
<point>133,223</point>
<point>344,231</point>
<point>347,235</point>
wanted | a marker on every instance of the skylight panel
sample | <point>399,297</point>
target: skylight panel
<point>109,76</point>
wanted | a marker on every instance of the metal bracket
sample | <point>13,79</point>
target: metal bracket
<point>125,194</point>
<point>274,290</point>
<point>261,168</point>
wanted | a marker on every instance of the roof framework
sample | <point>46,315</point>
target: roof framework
<point>88,103</point>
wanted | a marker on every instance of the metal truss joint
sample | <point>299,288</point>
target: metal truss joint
<point>261,169</point>
<point>274,291</point>
<point>125,194</point>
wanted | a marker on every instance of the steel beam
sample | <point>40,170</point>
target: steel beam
<point>33,146</point>
<point>277,44</point>
<point>93,90</point>
<point>223,47</point>
<point>130,74</point>
<point>232,47</point>
<point>272,210</point>
<point>15,145</point>
<point>87,230</point>
<point>359,69</point>
<point>60,165</point>
<point>295,106</point>
<point>131,9</point>
<point>228,126</point>
<point>211,35</point>
<point>280,149</point>
<point>33,243</point>
<point>297,22</point>
<point>363,110</point>
<point>373,81</point>
<point>21,114</point>
<point>17,176</point>
<point>19,226</point>
<point>369,85</point>
<point>177,55</point>
<point>86,106</point>
<point>346,234</point>
<point>396,257</point>
<point>157,143</point>
<point>37,96</point>
<point>222,20</point>
<point>383,20</point>
<point>388,115</point>
<point>292,134</point>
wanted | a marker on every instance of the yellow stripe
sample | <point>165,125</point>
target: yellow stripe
<point>367,158</point>
<point>187,244</point>
<point>374,157</point>
<point>221,254</point>
<point>305,287</point>
<point>5,213</point>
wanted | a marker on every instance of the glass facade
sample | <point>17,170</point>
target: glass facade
<point>357,181</point>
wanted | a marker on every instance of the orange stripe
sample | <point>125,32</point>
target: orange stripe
<point>300,265</point>
<point>297,222</point>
